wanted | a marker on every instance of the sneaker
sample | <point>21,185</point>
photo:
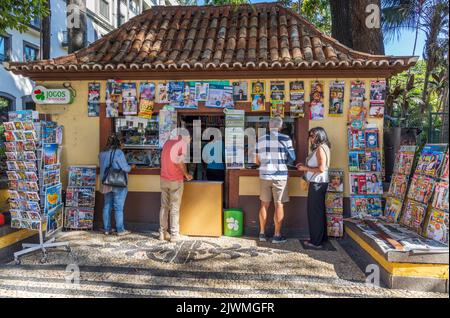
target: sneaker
<point>106,232</point>
<point>164,236</point>
<point>177,238</point>
<point>279,239</point>
<point>310,245</point>
<point>262,237</point>
<point>124,232</point>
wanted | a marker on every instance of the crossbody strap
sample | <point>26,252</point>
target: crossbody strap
<point>111,158</point>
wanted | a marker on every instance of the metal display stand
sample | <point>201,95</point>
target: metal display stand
<point>42,245</point>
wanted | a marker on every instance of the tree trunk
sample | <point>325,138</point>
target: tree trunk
<point>46,33</point>
<point>341,21</point>
<point>366,32</point>
<point>76,25</point>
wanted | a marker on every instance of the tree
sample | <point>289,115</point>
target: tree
<point>352,26</point>
<point>18,14</point>
<point>428,16</point>
<point>315,11</point>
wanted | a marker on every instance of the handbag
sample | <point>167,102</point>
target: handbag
<point>114,177</point>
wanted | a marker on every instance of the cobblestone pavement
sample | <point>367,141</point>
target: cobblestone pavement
<point>138,265</point>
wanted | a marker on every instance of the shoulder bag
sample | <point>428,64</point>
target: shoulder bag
<point>114,177</point>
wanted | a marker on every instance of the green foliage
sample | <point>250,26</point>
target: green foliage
<point>18,14</point>
<point>317,12</point>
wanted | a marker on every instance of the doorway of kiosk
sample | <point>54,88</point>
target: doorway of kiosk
<point>211,166</point>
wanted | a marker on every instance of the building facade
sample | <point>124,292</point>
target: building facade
<point>103,16</point>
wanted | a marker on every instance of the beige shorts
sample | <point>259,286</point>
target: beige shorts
<point>276,188</point>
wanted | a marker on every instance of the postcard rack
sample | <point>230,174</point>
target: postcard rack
<point>32,148</point>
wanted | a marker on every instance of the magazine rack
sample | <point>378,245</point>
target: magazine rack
<point>42,245</point>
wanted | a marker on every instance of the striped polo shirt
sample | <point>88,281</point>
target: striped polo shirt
<point>275,151</point>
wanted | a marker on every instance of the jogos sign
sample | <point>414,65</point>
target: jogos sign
<point>42,95</point>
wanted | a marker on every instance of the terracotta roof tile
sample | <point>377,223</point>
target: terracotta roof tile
<point>265,34</point>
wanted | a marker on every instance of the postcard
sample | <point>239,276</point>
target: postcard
<point>52,197</point>
<point>54,220</point>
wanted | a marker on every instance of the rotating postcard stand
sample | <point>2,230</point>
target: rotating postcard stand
<point>29,248</point>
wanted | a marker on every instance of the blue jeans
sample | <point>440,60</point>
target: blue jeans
<point>114,199</point>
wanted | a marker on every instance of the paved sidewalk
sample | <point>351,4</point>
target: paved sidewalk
<point>138,265</point>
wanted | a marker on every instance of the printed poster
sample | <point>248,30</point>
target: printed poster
<point>297,99</point>
<point>336,107</point>
<point>317,111</point>
<point>112,99</point>
<point>377,98</point>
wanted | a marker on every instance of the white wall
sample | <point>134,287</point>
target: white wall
<point>58,25</point>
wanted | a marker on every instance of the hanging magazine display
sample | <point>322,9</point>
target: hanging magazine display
<point>129,99</point>
<point>317,107</point>
<point>336,107</point>
<point>93,99</point>
<point>377,98</point>
<point>112,100</point>
<point>146,100</point>
<point>258,96</point>
<point>240,91</point>
<point>297,99</point>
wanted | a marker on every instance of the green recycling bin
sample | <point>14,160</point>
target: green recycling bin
<point>233,222</point>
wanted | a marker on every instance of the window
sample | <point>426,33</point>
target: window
<point>134,7</point>
<point>36,22</point>
<point>30,52</point>
<point>5,48</point>
<point>122,19</point>
<point>104,8</point>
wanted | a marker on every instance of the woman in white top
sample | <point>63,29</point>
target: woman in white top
<point>316,173</point>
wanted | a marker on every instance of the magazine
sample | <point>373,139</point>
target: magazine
<point>336,107</point>
<point>356,139</point>
<point>377,98</point>
<point>362,206</point>
<point>421,188</point>
<point>372,138</point>
<point>83,197</point>
<point>80,176</point>
<point>93,99</point>
<point>240,91</point>
<point>436,227</point>
<point>356,161</point>
<point>374,183</point>
<point>277,90</point>
<point>129,99</point>
<point>358,183</point>
<point>413,215</point>
<point>297,99</point>
<point>372,161</point>
<point>334,202</point>
<point>440,197</point>
<point>404,160</point>
<point>431,159</point>
<point>444,174</point>
<point>317,108</point>
<point>357,112</point>
<point>335,225</point>
<point>398,186</point>
<point>336,183</point>
<point>393,209</point>
<point>79,218</point>
<point>162,96</point>
<point>220,96</point>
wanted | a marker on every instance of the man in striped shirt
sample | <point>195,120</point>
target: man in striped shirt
<point>274,152</point>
